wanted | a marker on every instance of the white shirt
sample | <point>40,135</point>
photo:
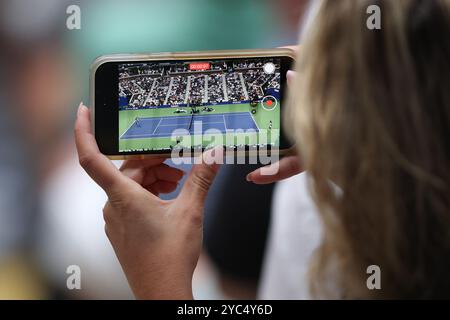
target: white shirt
<point>294,234</point>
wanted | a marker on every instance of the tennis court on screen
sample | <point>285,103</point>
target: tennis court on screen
<point>157,127</point>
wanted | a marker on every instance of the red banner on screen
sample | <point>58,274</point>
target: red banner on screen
<point>199,66</point>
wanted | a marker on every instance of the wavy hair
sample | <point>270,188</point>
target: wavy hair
<point>371,117</point>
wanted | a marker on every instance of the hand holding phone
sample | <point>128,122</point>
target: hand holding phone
<point>138,100</point>
<point>157,242</point>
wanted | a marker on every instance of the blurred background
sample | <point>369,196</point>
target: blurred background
<point>50,211</point>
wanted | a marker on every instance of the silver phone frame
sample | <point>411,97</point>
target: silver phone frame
<point>173,56</point>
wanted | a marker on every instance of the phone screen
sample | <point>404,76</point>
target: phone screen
<point>165,105</point>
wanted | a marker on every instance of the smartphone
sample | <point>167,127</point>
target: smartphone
<point>174,104</point>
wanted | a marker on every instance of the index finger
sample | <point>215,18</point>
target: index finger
<point>287,167</point>
<point>97,166</point>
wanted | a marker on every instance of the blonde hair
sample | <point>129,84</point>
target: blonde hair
<point>371,114</point>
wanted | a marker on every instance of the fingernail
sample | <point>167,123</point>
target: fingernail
<point>80,107</point>
<point>290,75</point>
<point>213,157</point>
<point>207,157</point>
<point>248,178</point>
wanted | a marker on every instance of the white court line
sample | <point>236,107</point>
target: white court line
<point>213,122</point>
<point>160,120</point>
<point>225,123</point>
<point>254,121</point>
<point>127,129</point>
<point>153,135</point>
<point>245,112</point>
<point>187,116</point>
<point>176,124</point>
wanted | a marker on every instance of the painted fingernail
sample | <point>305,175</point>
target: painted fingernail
<point>80,107</point>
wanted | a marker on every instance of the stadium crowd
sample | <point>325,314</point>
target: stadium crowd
<point>153,85</point>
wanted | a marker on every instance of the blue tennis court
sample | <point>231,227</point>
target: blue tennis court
<point>162,127</point>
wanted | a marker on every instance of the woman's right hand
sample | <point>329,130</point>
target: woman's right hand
<point>285,168</point>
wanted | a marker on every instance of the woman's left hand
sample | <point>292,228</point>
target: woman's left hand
<point>157,242</point>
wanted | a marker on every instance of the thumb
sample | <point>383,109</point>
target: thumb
<point>201,178</point>
<point>290,76</point>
